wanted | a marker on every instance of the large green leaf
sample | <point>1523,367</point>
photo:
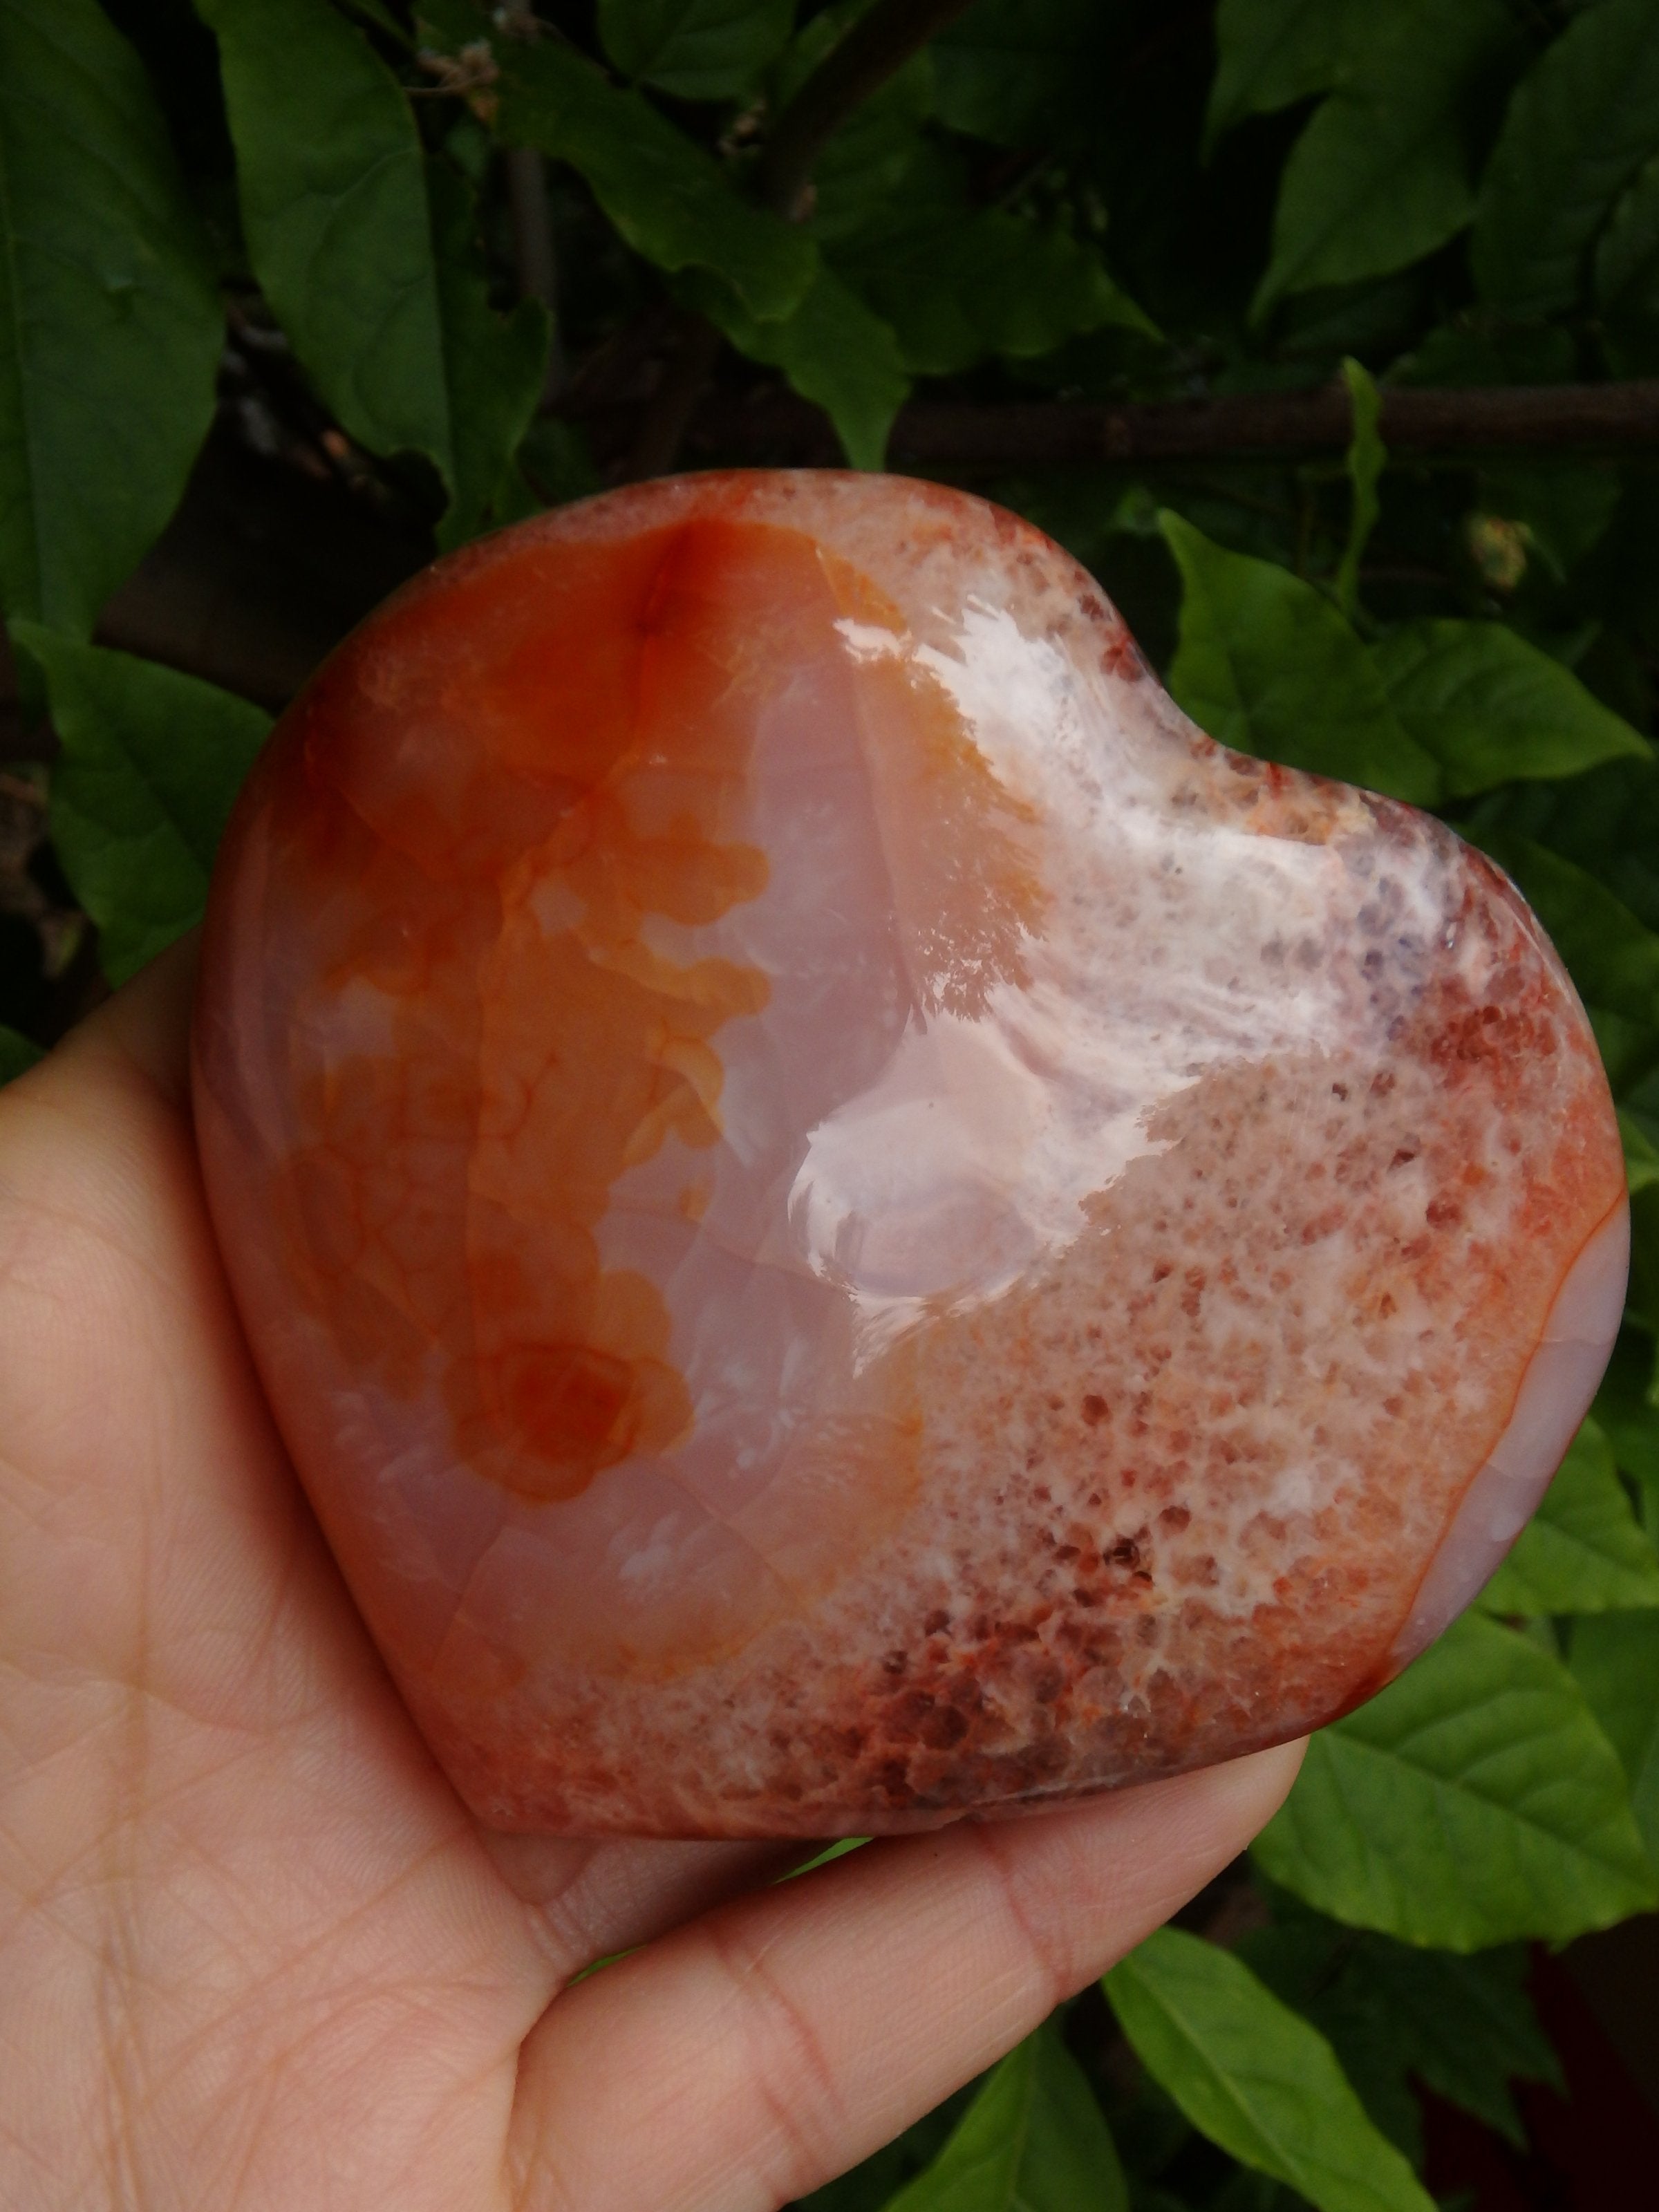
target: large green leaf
<point>368,254</point>
<point>666,197</point>
<point>493,365</point>
<point>334,210</point>
<point>833,350</point>
<point>1254,2076</point>
<point>1395,2013</point>
<point>1381,176</point>
<point>1615,1657</point>
<point>1266,664</point>
<point>1627,255</point>
<point>1492,708</point>
<point>110,329</point>
<point>1032,2141</point>
<point>1583,1550</point>
<point>957,283</point>
<point>1577,129</point>
<point>1270,53</point>
<point>151,762</point>
<point>1474,1801</point>
<point>1624,1412</point>
<point>694,48</point>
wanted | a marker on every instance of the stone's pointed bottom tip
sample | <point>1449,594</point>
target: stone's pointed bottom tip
<point>849,1224</point>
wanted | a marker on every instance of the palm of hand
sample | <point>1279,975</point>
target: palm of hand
<point>254,1952</point>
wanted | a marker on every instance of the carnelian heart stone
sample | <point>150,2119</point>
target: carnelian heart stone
<point>848,1221</point>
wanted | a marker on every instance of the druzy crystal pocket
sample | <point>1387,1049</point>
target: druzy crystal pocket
<point>847,1220</point>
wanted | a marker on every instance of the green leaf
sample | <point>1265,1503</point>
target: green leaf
<point>18,1053</point>
<point>957,284</point>
<point>369,255</point>
<point>493,365</point>
<point>1473,1801</point>
<point>1254,2076</point>
<point>1490,708</point>
<point>1624,1410</point>
<point>553,466</point>
<point>334,210</point>
<point>1464,353</point>
<point>1025,72</point>
<point>1612,959</point>
<point>1641,1156</point>
<point>1467,2025</point>
<point>666,197</point>
<point>869,2185</point>
<point>1615,1658</point>
<point>1580,125</point>
<point>1030,286</point>
<point>833,350</point>
<point>1266,664</point>
<point>1270,53</point>
<point>1642,1299</point>
<point>1366,460</point>
<point>1627,255</point>
<point>694,48</point>
<point>1032,2141</point>
<point>1582,1551</point>
<point>150,762</point>
<point>1392,2013</point>
<point>1380,176</point>
<point>379,14</point>
<point>110,329</point>
<point>838,1850</point>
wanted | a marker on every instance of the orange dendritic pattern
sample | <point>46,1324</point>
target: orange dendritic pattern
<point>576,773</point>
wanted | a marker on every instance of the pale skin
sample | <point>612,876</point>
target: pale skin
<point>253,1951</point>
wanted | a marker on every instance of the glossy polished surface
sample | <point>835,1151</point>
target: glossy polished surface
<point>848,1220</point>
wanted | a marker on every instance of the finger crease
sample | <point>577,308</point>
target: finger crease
<point>1053,1966</point>
<point>776,2017</point>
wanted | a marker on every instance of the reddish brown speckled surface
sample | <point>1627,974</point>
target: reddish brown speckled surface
<point>847,1220</point>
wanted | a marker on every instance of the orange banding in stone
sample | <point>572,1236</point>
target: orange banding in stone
<point>525,774</point>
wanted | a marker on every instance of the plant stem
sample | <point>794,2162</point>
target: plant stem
<point>533,257</point>
<point>876,48</point>
<point>695,349</point>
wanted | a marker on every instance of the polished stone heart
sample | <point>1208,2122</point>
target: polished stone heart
<point>848,1221</point>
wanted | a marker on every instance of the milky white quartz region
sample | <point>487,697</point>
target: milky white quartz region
<point>847,1220</point>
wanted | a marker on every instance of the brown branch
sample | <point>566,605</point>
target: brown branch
<point>686,371</point>
<point>533,255</point>
<point>876,48</point>
<point>776,426</point>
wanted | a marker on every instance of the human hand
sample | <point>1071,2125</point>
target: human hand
<point>253,1951</point>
